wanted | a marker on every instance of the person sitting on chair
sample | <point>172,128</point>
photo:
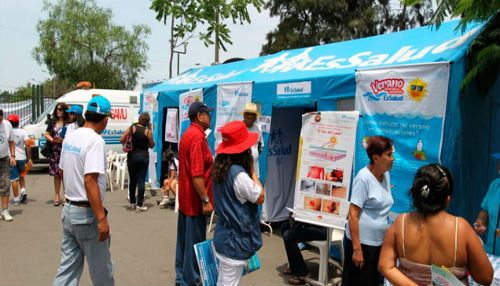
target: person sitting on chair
<point>170,182</point>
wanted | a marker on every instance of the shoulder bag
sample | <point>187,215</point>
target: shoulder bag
<point>127,147</point>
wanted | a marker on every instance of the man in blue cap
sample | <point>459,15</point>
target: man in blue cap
<point>488,218</point>
<point>84,218</point>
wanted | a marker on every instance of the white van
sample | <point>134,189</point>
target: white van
<point>124,109</point>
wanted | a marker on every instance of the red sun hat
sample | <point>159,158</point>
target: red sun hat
<point>13,117</point>
<point>235,138</point>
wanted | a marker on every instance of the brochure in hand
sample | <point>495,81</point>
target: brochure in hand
<point>209,264</point>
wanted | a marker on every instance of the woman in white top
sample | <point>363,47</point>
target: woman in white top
<point>371,201</point>
<point>170,182</point>
<point>76,119</point>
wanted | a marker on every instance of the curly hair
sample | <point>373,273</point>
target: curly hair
<point>223,162</point>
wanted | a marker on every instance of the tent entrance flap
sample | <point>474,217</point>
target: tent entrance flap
<point>282,151</point>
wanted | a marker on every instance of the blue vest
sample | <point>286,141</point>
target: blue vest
<point>237,232</point>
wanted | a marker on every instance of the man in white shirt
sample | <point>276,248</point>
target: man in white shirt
<point>7,160</point>
<point>85,225</point>
<point>250,115</point>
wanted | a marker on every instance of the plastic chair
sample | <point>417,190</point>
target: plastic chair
<point>176,208</point>
<point>109,170</point>
<point>123,171</point>
<point>118,164</point>
<point>337,237</point>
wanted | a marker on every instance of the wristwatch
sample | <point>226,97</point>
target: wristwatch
<point>206,200</point>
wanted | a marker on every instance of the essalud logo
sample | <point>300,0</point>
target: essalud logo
<point>389,89</point>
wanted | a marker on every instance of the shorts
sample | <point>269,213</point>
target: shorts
<point>15,172</point>
<point>4,177</point>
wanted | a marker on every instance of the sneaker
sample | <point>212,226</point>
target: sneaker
<point>16,201</point>
<point>6,215</point>
<point>131,207</point>
<point>139,209</point>
<point>24,196</point>
<point>165,201</point>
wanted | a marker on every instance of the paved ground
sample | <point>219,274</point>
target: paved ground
<point>142,245</point>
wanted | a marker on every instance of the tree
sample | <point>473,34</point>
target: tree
<point>78,42</point>
<point>483,56</point>
<point>186,15</point>
<point>307,23</point>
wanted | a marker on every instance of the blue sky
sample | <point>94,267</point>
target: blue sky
<point>18,37</point>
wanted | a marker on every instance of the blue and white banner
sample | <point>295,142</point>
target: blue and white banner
<point>231,101</point>
<point>324,167</point>
<point>406,104</point>
<point>185,100</point>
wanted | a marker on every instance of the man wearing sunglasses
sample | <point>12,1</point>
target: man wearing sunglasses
<point>84,218</point>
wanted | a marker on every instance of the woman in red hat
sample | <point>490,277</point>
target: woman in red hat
<point>237,194</point>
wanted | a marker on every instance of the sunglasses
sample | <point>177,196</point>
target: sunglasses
<point>419,87</point>
<point>60,109</point>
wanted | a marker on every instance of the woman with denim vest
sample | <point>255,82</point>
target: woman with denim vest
<point>237,193</point>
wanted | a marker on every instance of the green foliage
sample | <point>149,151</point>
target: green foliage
<point>79,42</point>
<point>312,22</point>
<point>483,56</point>
<point>186,15</point>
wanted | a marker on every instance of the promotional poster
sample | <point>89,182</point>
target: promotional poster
<point>231,100</point>
<point>324,167</point>
<point>185,100</point>
<point>171,126</point>
<point>406,104</point>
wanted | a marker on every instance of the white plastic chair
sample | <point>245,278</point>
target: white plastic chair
<point>123,172</point>
<point>118,164</point>
<point>337,238</point>
<point>176,208</point>
<point>109,170</point>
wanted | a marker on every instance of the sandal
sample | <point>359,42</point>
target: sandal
<point>296,280</point>
<point>287,271</point>
<point>56,203</point>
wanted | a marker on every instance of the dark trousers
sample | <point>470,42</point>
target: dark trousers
<point>190,231</point>
<point>292,236</point>
<point>137,168</point>
<point>368,275</point>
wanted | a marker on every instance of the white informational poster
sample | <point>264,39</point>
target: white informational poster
<point>185,100</point>
<point>149,102</point>
<point>324,167</point>
<point>408,105</point>
<point>171,126</point>
<point>231,100</point>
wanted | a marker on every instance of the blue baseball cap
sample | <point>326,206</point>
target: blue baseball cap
<point>198,107</point>
<point>75,109</point>
<point>496,156</point>
<point>99,104</point>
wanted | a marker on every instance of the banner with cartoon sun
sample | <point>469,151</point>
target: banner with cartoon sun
<point>408,105</point>
<point>324,167</point>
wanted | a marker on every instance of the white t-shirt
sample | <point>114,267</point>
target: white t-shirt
<point>375,200</point>
<point>20,136</point>
<point>6,136</point>
<point>175,167</point>
<point>255,148</point>
<point>83,152</point>
<point>245,189</point>
<point>70,128</point>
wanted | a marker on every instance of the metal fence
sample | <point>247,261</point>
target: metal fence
<point>27,107</point>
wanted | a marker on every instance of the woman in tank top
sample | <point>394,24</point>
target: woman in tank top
<point>430,235</point>
<point>138,160</point>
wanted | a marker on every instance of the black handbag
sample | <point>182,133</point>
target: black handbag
<point>46,149</point>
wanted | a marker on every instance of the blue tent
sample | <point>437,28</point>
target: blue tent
<point>470,119</point>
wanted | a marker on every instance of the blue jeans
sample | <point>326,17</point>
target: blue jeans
<point>137,168</point>
<point>292,236</point>
<point>190,231</point>
<point>81,240</point>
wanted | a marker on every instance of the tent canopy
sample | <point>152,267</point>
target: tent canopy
<point>329,71</point>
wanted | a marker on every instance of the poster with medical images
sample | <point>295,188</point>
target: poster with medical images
<point>231,101</point>
<point>185,100</point>
<point>171,130</point>
<point>324,167</point>
<point>408,105</point>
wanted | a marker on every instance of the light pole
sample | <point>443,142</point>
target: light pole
<point>185,43</point>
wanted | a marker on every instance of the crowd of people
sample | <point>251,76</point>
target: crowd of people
<point>401,252</point>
